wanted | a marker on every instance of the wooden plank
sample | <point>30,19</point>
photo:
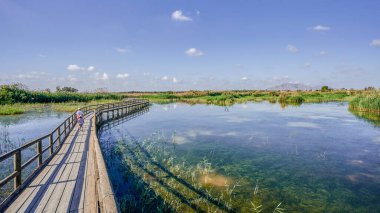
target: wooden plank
<point>66,197</point>
<point>82,197</point>
<point>29,200</point>
<point>90,201</point>
<point>20,200</point>
<point>53,201</point>
<point>45,198</point>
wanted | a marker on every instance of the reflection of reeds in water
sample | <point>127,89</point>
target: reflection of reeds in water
<point>177,186</point>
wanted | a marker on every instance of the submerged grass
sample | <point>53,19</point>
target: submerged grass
<point>161,178</point>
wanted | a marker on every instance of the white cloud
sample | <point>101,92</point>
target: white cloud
<point>146,73</point>
<point>292,48</point>
<point>121,50</point>
<point>41,55</point>
<point>101,76</point>
<point>321,28</point>
<point>178,16</point>
<point>244,78</point>
<point>193,52</point>
<point>375,43</point>
<point>122,75</point>
<point>165,78</point>
<point>75,67</point>
<point>91,68</point>
<point>322,52</point>
<point>175,80</point>
<point>198,12</point>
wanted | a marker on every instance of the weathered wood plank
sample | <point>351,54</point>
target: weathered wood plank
<point>29,200</point>
<point>66,197</point>
<point>90,201</point>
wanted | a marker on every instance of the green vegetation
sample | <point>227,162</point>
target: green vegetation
<point>68,99</point>
<point>366,102</point>
<point>16,93</point>
<point>11,109</point>
<point>239,96</point>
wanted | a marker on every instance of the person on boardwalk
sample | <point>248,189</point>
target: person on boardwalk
<point>80,118</point>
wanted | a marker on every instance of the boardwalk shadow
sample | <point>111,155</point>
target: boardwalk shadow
<point>161,169</point>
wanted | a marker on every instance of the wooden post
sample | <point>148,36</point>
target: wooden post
<point>70,123</point>
<point>59,135</point>
<point>51,144</point>
<point>39,152</point>
<point>65,128</point>
<point>17,168</point>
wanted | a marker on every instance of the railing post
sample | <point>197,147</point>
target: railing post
<point>39,152</point>
<point>65,128</point>
<point>59,135</point>
<point>17,168</point>
<point>51,144</point>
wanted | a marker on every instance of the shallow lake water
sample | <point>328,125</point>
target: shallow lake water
<point>16,130</point>
<point>311,158</point>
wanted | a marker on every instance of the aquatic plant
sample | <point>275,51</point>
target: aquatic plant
<point>175,184</point>
<point>11,110</point>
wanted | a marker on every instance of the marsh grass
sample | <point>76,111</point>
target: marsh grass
<point>227,98</point>
<point>15,109</point>
<point>369,102</point>
<point>11,110</point>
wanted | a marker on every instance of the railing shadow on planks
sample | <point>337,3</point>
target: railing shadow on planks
<point>48,145</point>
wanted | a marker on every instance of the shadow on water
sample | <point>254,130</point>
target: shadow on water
<point>140,157</point>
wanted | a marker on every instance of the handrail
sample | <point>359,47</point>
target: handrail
<point>106,196</point>
<point>56,138</point>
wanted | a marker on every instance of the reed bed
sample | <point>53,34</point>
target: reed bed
<point>369,102</point>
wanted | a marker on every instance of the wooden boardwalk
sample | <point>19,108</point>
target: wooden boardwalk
<point>66,184</point>
<point>74,177</point>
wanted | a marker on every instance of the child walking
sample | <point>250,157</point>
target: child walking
<point>80,118</point>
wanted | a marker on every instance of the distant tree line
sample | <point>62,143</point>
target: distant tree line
<point>18,93</point>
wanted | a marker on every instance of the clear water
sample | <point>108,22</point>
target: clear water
<point>16,130</point>
<point>312,158</point>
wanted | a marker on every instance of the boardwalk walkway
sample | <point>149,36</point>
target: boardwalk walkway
<point>66,183</point>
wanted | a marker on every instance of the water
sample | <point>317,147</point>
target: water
<point>16,130</point>
<point>312,158</point>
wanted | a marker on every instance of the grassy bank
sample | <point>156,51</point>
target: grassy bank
<point>369,102</point>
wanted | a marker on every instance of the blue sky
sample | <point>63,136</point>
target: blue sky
<point>126,45</point>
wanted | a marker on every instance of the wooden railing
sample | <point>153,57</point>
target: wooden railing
<point>56,138</point>
<point>103,114</point>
